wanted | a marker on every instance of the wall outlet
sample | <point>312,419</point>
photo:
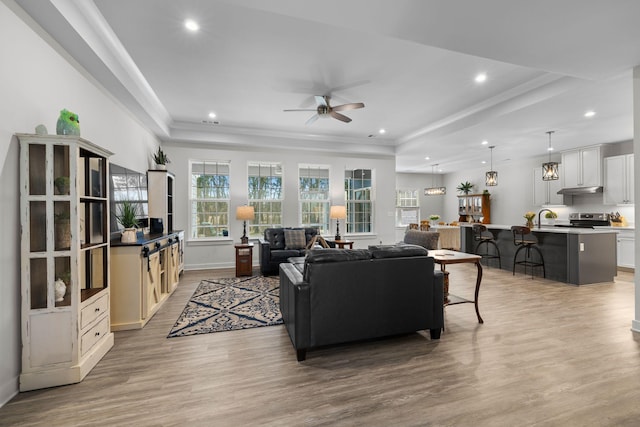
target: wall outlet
<point>581,247</point>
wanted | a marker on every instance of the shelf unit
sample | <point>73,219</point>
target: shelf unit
<point>64,240</point>
<point>475,208</point>
<point>160,185</point>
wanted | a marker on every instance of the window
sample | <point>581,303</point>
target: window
<point>209,199</point>
<point>407,207</point>
<point>314,197</point>
<point>265,195</point>
<point>357,187</point>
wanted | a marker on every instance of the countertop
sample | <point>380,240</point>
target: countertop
<point>552,229</point>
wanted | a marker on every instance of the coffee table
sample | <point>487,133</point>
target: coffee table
<point>446,257</point>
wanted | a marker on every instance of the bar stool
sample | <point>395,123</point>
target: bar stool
<point>485,237</point>
<point>527,243</point>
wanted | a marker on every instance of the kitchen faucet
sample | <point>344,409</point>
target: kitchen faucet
<point>540,212</point>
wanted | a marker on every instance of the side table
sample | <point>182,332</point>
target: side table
<point>244,259</point>
<point>342,243</point>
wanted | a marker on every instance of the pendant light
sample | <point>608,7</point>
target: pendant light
<point>491,177</point>
<point>550,169</point>
<point>433,190</point>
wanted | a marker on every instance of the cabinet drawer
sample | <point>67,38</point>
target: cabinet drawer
<point>93,335</point>
<point>94,310</point>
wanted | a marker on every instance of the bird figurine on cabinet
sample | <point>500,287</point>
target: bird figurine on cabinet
<point>68,123</point>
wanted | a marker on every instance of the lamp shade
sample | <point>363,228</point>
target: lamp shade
<point>338,212</point>
<point>245,213</point>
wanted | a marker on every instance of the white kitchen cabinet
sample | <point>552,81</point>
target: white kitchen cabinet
<point>582,168</point>
<point>545,193</point>
<point>618,180</point>
<point>65,259</point>
<point>626,248</point>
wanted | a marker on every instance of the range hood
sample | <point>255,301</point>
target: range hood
<point>580,190</point>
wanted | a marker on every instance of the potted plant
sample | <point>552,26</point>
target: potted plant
<point>465,187</point>
<point>550,216</point>
<point>62,184</point>
<point>161,159</point>
<point>127,217</point>
<point>529,217</point>
<point>434,217</point>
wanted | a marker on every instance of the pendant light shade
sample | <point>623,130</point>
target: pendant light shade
<point>491,177</point>
<point>550,169</point>
<point>433,190</point>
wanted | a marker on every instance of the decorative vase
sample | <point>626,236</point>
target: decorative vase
<point>161,167</point>
<point>59,289</point>
<point>128,235</point>
<point>529,223</point>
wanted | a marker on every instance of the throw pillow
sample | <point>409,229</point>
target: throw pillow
<point>294,239</point>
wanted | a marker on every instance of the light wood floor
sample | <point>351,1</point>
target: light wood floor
<point>548,354</point>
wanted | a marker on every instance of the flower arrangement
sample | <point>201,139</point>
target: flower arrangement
<point>434,217</point>
<point>529,216</point>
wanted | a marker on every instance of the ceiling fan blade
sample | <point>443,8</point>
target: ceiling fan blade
<point>339,116</point>
<point>312,119</point>
<point>322,100</point>
<point>351,106</point>
<point>301,109</point>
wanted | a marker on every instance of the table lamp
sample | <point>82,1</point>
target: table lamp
<point>338,213</point>
<point>244,213</point>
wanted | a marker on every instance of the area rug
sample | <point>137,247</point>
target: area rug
<point>228,304</point>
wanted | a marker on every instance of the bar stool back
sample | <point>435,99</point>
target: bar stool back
<point>526,241</point>
<point>485,237</point>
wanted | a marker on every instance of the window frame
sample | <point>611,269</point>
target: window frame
<point>256,228</point>
<point>351,203</point>
<point>409,207</point>
<point>191,199</point>
<point>324,203</point>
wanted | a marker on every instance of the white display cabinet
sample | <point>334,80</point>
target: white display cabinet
<point>64,259</point>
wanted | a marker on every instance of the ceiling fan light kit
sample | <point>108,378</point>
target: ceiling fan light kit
<point>324,109</point>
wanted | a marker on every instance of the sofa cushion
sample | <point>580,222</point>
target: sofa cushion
<point>294,238</point>
<point>275,237</point>
<point>337,255</point>
<point>398,251</point>
<point>283,255</point>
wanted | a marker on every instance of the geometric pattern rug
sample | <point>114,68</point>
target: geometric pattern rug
<point>228,304</point>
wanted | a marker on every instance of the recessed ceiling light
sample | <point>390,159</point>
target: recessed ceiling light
<point>427,158</point>
<point>381,131</point>
<point>485,142</point>
<point>212,115</point>
<point>480,78</point>
<point>484,161</point>
<point>590,114</point>
<point>550,149</point>
<point>191,25</point>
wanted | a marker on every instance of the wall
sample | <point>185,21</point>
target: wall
<point>36,82</point>
<point>220,253</point>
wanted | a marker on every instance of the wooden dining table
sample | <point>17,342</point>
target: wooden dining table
<point>445,257</point>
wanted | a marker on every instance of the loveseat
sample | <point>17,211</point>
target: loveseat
<point>280,244</point>
<point>341,295</point>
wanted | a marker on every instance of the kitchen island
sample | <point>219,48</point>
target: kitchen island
<point>578,256</point>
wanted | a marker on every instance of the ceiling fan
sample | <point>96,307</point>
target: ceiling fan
<point>324,109</point>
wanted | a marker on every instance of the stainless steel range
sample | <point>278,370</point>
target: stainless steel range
<point>587,220</point>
